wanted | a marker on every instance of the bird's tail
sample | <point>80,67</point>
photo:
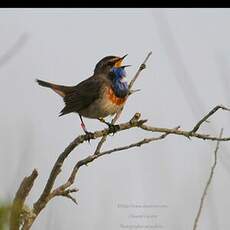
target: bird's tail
<point>59,89</point>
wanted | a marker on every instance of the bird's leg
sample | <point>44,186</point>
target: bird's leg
<point>89,134</point>
<point>111,126</point>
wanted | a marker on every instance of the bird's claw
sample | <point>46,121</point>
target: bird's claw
<point>89,136</point>
<point>113,128</point>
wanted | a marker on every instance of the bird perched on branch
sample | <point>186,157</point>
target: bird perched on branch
<point>99,96</point>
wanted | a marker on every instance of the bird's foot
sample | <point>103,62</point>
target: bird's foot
<point>89,135</point>
<point>112,128</point>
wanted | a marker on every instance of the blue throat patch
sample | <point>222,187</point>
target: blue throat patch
<point>120,87</point>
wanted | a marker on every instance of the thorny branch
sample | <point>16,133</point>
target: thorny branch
<point>208,182</point>
<point>64,190</point>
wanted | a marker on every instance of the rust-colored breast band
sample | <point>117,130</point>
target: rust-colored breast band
<point>112,97</point>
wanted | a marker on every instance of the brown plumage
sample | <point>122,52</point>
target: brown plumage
<point>59,89</point>
<point>93,97</point>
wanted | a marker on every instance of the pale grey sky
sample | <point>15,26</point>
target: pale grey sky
<point>187,75</point>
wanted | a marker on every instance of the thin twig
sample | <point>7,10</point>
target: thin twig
<point>137,144</point>
<point>197,126</point>
<point>187,134</point>
<point>67,193</point>
<point>208,183</point>
<point>142,66</point>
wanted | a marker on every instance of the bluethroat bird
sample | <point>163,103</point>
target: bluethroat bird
<point>97,97</point>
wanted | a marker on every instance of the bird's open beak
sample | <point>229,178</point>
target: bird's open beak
<point>124,66</point>
<point>124,56</point>
<point>119,61</point>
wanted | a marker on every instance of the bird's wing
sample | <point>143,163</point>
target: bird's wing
<point>82,96</point>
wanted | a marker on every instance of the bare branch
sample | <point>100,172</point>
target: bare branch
<point>67,193</point>
<point>63,190</point>
<point>20,197</point>
<point>71,198</point>
<point>193,132</point>
<point>187,134</point>
<point>137,144</point>
<point>93,157</point>
<point>42,201</point>
<point>197,126</point>
<point>142,66</point>
<point>208,182</point>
